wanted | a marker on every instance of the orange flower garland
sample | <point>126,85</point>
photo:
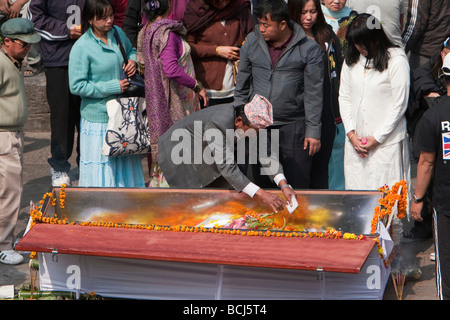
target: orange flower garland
<point>390,198</point>
<point>386,204</point>
<point>37,217</point>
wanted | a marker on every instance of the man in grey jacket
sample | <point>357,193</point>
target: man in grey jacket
<point>278,60</point>
<point>206,148</point>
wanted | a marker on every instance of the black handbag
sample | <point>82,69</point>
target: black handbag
<point>137,83</point>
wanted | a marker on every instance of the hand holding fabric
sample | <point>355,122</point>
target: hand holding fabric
<point>124,84</point>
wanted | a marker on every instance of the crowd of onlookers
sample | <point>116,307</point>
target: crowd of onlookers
<point>348,81</point>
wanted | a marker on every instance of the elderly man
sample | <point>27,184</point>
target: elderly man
<point>17,34</point>
<point>199,150</point>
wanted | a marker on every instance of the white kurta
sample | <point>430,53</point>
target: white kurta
<point>374,103</point>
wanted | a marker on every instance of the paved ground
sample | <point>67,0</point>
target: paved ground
<point>37,182</point>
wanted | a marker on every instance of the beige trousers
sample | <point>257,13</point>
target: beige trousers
<point>11,185</point>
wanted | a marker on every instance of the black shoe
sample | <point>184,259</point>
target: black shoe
<point>411,236</point>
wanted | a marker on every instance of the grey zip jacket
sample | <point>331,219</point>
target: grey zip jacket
<point>294,85</point>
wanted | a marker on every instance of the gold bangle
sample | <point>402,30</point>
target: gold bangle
<point>350,138</point>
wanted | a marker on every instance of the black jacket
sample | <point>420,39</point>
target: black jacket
<point>423,82</point>
<point>427,26</point>
<point>132,22</point>
<point>52,19</point>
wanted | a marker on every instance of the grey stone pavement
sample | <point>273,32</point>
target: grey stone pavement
<point>37,181</point>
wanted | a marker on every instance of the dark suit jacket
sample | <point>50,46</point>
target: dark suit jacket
<point>185,154</point>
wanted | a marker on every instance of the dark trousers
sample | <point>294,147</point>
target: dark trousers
<point>442,241</point>
<point>214,102</point>
<point>64,118</point>
<point>319,169</point>
<point>295,160</point>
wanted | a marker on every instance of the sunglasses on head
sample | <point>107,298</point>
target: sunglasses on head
<point>23,44</point>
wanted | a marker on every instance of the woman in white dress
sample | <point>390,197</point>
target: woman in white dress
<point>373,98</point>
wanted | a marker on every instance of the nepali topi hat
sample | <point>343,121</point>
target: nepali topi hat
<point>259,112</point>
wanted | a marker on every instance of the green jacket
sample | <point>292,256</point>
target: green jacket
<point>13,100</point>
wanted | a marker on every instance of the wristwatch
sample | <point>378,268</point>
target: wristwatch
<point>287,186</point>
<point>198,87</point>
<point>417,200</point>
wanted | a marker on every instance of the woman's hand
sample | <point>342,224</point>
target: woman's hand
<point>355,140</point>
<point>228,52</point>
<point>124,84</point>
<point>130,68</point>
<point>369,143</point>
<point>204,96</point>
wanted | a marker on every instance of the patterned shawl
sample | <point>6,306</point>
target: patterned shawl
<point>164,106</point>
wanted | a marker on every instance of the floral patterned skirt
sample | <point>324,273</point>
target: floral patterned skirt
<point>97,170</point>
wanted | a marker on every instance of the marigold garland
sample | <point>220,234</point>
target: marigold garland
<point>331,233</point>
<point>386,204</point>
<point>388,201</point>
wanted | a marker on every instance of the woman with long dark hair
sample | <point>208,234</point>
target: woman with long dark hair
<point>373,99</point>
<point>327,168</point>
<point>95,68</point>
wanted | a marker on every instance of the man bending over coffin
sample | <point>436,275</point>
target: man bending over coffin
<point>205,148</point>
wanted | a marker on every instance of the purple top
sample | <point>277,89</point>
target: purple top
<point>169,59</point>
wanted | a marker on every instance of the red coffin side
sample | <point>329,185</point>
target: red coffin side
<point>335,255</point>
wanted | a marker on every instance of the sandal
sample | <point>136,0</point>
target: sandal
<point>31,71</point>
